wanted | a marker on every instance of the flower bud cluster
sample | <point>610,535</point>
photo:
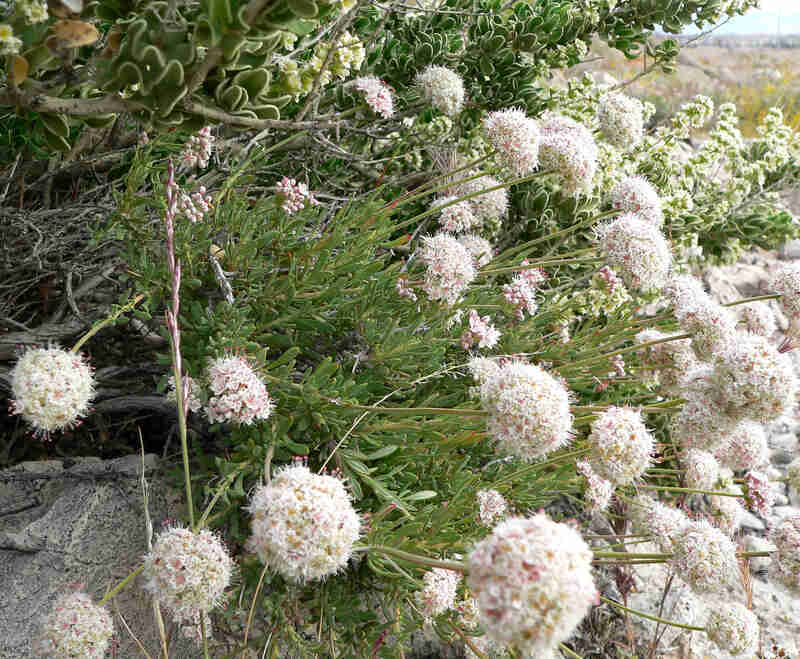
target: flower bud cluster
<point>443,89</point>
<point>75,628</point>
<point>377,95</point>
<point>520,293</point>
<point>197,151</point>
<point>348,56</point>
<point>481,331</point>
<point>196,205</point>
<point>294,196</point>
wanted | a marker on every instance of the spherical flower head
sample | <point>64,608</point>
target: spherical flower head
<point>637,250</point>
<point>568,148</point>
<point>239,395</point>
<point>51,389</point>
<point>755,380</point>
<point>443,89</point>
<point>451,268</point>
<point>492,507</point>
<point>621,120</point>
<point>713,327</point>
<point>76,628</point>
<point>303,524</point>
<point>491,205</point>
<point>793,475</point>
<point>188,572</point>
<point>455,216</point>
<point>727,512</point>
<point>483,368</point>
<point>745,446</point>
<point>532,580</point>
<point>529,412</point>
<point>785,567</point>
<point>786,282</point>
<point>597,496</point>
<point>672,361</point>
<point>621,445</point>
<point>702,423</point>
<point>664,523</point>
<point>480,248</point>
<point>377,95</point>
<point>733,627</point>
<point>758,318</point>
<point>515,137</point>
<point>701,469</point>
<point>705,558</point>
<point>683,290</point>
<point>438,592</point>
<point>761,492</point>
<point>635,195</point>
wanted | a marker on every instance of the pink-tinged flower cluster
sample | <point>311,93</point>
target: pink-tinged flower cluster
<point>481,331</point>
<point>515,138</point>
<point>482,368</point>
<point>480,248</point>
<point>438,592</point>
<point>51,389</point>
<point>192,392</point>
<point>491,205</point>
<point>786,282</point>
<point>637,250</point>
<point>701,469</point>
<point>702,423</point>
<point>443,89</point>
<point>755,380</point>
<point>404,290</point>
<point>238,394</point>
<point>377,94</point>
<point>664,523</point>
<point>785,567</point>
<point>726,511</point>
<point>455,216</point>
<point>598,492</point>
<point>713,327</point>
<point>745,446</point>
<point>450,268</point>
<point>294,196</point>
<point>520,293</point>
<point>532,580</point>
<point>492,507</point>
<point>733,628</point>
<point>529,411</point>
<point>621,120</point>
<point>303,524</point>
<point>635,195</point>
<point>758,318</point>
<point>196,205</point>
<point>75,627</point>
<point>197,151</point>
<point>705,558</point>
<point>610,279</point>
<point>568,148</point>
<point>761,492</point>
<point>670,361</point>
<point>621,446</point>
<point>188,572</point>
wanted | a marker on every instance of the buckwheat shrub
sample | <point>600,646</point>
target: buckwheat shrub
<point>745,447</point>
<point>635,195</point>
<point>785,564</point>
<point>480,248</point>
<point>376,94</point>
<point>733,628</point>
<point>438,592</point>
<point>442,88</point>
<point>51,389</point>
<point>597,495</point>
<point>515,138</point>
<point>456,217</point>
<point>637,250</point>
<point>621,120</point>
<point>450,269</point>
<point>761,492</point>
<point>758,318</point>
<point>705,558</point>
<point>532,580</point>
<point>786,282</point>
<point>664,523</point>
<point>187,571</point>
<point>529,413</point>
<point>76,628</point>
<point>755,380</point>
<point>520,293</point>
<point>568,148</point>
<point>621,446</point>
<point>671,362</point>
<point>701,469</point>
<point>238,394</point>
<point>492,507</point>
<point>303,524</point>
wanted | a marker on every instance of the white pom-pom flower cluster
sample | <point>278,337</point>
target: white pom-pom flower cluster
<point>532,580</point>
<point>672,361</point>
<point>76,628</point>
<point>294,196</point>
<point>377,95</point>
<point>786,282</point>
<point>303,524</point>
<point>621,446</point>
<point>785,566</point>
<point>491,205</point>
<point>727,511</point>
<point>492,507</point>
<point>635,195</point>
<point>598,492</point>
<point>443,89</point>
<point>705,558</point>
<point>455,216</point>
<point>51,389</point>
<point>438,592</point>
<point>712,326</point>
<point>516,139</point>
<point>733,627</point>
<point>480,248</point>
<point>745,446</point>
<point>239,395</point>
<point>529,414</point>
<point>637,250</point>
<point>664,523</point>
<point>621,119</point>
<point>450,270</point>
<point>568,148</point>
<point>701,469</point>
<point>188,572</point>
<point>481,331</point>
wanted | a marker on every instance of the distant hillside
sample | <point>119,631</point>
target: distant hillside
<point>744,40</point>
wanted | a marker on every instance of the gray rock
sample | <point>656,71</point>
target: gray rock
<point>789,251</point>
<point>781,457</point>
<point>750,521</point>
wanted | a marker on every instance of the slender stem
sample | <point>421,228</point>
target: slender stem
<point>252,609</point>
<point>411,411</point>
<point>758,298</point>
<point>416,558</point>
<point>121,585</point>
<point>569,652</point>
<point>106,321</point>
<point>654,618</point>
<point>623,351</point>
<point>688,490</point>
